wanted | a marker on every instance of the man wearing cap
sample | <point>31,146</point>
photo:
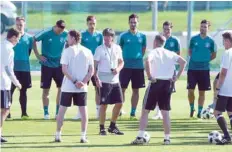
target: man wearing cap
<point>53,41</point>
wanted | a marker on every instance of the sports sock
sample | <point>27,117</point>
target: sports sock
<point>46,110</point>
<point>230,121</point>
<point>112,124</point>
<point>133,110</point>
<point>222,124</point>
<point>199,109</point>
<point>167,136</point>
<point>57,109</point>
<point>23,101</point>
<point>58,133</point>
<point>141,133</point>
<point>102,127</point>
<point>83,134</point>
<point>192,106</point>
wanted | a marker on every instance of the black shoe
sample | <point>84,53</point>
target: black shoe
<point>192,113</point>
<point>115,130</point>
<point>167,142</point>
<point>3,140</point>
<point>9,116</point>
<point>224,141</point>
<point>198,115</point>
<point>102,132</point>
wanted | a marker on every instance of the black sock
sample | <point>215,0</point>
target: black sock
<point>102,127</point>
<point>23,101</point>
<point>222,124</point>
<point>230,121</point>
<point>112,124</point>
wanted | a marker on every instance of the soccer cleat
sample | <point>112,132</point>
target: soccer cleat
<point>57,139</point>
<point>102,132</point>
<point>167,142</point>
<point>133,118</point>
<point>199,115</point>
<point>115,130</point>
<point>139,141</point>
<point>224,141</point>
<point>46,117</point>
<point>84,140</point>
<point>157,116</point>
<point>25,117</point>
<point>3,140</point>
<point>192,113</point>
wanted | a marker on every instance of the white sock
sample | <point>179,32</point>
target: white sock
<point>83,134</point>
<point>167,136</point>
<point>58,133</point>
<point>141,133</point>
<point>98,107</point>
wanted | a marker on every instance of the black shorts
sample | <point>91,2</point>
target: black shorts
<point>5,99</point>
<point>79,99</point>
<point>93,81</point>
<point>136,76</point>
<point>24,79</point>
<point>224,104</point>
<point>111,94</point>
<point>47,74</point>
<point>158,92</point>
<point>200,78</point>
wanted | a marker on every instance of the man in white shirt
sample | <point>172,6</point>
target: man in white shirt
<point>224,90</point>
<point>108,62</point>
<point>7,73</point>
<point>160,66</point>
<point>78,68</point>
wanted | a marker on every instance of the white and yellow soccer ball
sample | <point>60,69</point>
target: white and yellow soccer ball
<point>207,113</point>
<point>214,136</point>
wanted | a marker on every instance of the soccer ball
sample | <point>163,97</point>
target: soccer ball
<point>207,113</point>
<point>213,136</point>
<point>146,137</point>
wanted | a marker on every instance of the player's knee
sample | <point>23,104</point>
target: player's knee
<point>45,93</point>
<point>217,114</point>
<point>135,91</point>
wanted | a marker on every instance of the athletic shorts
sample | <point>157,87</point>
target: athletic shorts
<point>224,104</point>
<point>78,98</point>
<point>5,99</point>
<point>200,78</point>
<point>158,92</point>
<point>136,76</point>
<point>24,79</point>
<point>48,73</point>
<point>93,81</point>
<point>110,94</point>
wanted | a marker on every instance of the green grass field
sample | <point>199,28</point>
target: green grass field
<point>119,20</point>
<point>37,135</point>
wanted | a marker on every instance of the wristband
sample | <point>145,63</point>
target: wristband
<point>74,82</point>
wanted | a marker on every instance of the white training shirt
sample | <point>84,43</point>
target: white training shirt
<point>7,61</point>
<point>162,63</point>
<point>108,59</point>
<point>78,58</point>
<point>226,63</point>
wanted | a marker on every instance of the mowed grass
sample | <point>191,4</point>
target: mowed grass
<point>37,135</point>
<point>119,20</point>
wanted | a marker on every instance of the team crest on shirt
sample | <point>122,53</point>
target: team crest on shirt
<point>128,40</point>
<point>140,40</point>
<point>50,40</point>
<point>207,45</point>
<point>196,44</point>
<point>86,39</point>
<point>62,40</point>
<point>172,44</point>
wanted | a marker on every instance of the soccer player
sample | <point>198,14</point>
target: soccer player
<point>224,89</point>
<point>91,40</point>
<point>74,59</point>
<point>22,65</point>
<point>172,44</point>
<point>133,44</point>
<point>108,63</point>
<point>202,50</point>
<point>53,41</point>
<point>7,73</point>
<point>160,66</point>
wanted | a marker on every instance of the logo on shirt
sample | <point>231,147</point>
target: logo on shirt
<point>172,44</point>
<point>128,40</point>
<point>86,39</point>
<point>196,44</point>
<point>140,40</point>
<point>50,40</point>
<point>62,40</point>
<point>207,45</point>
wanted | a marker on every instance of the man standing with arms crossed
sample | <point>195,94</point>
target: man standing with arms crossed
<point>202,50</point>
<point>160,66</point>
<point>171,44</point>
<point>53,41</point>
<point>22,65</point>
<point>224,90</point>
<point>91,40</point>
<point>7,73</point>
<point>133,44</point>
